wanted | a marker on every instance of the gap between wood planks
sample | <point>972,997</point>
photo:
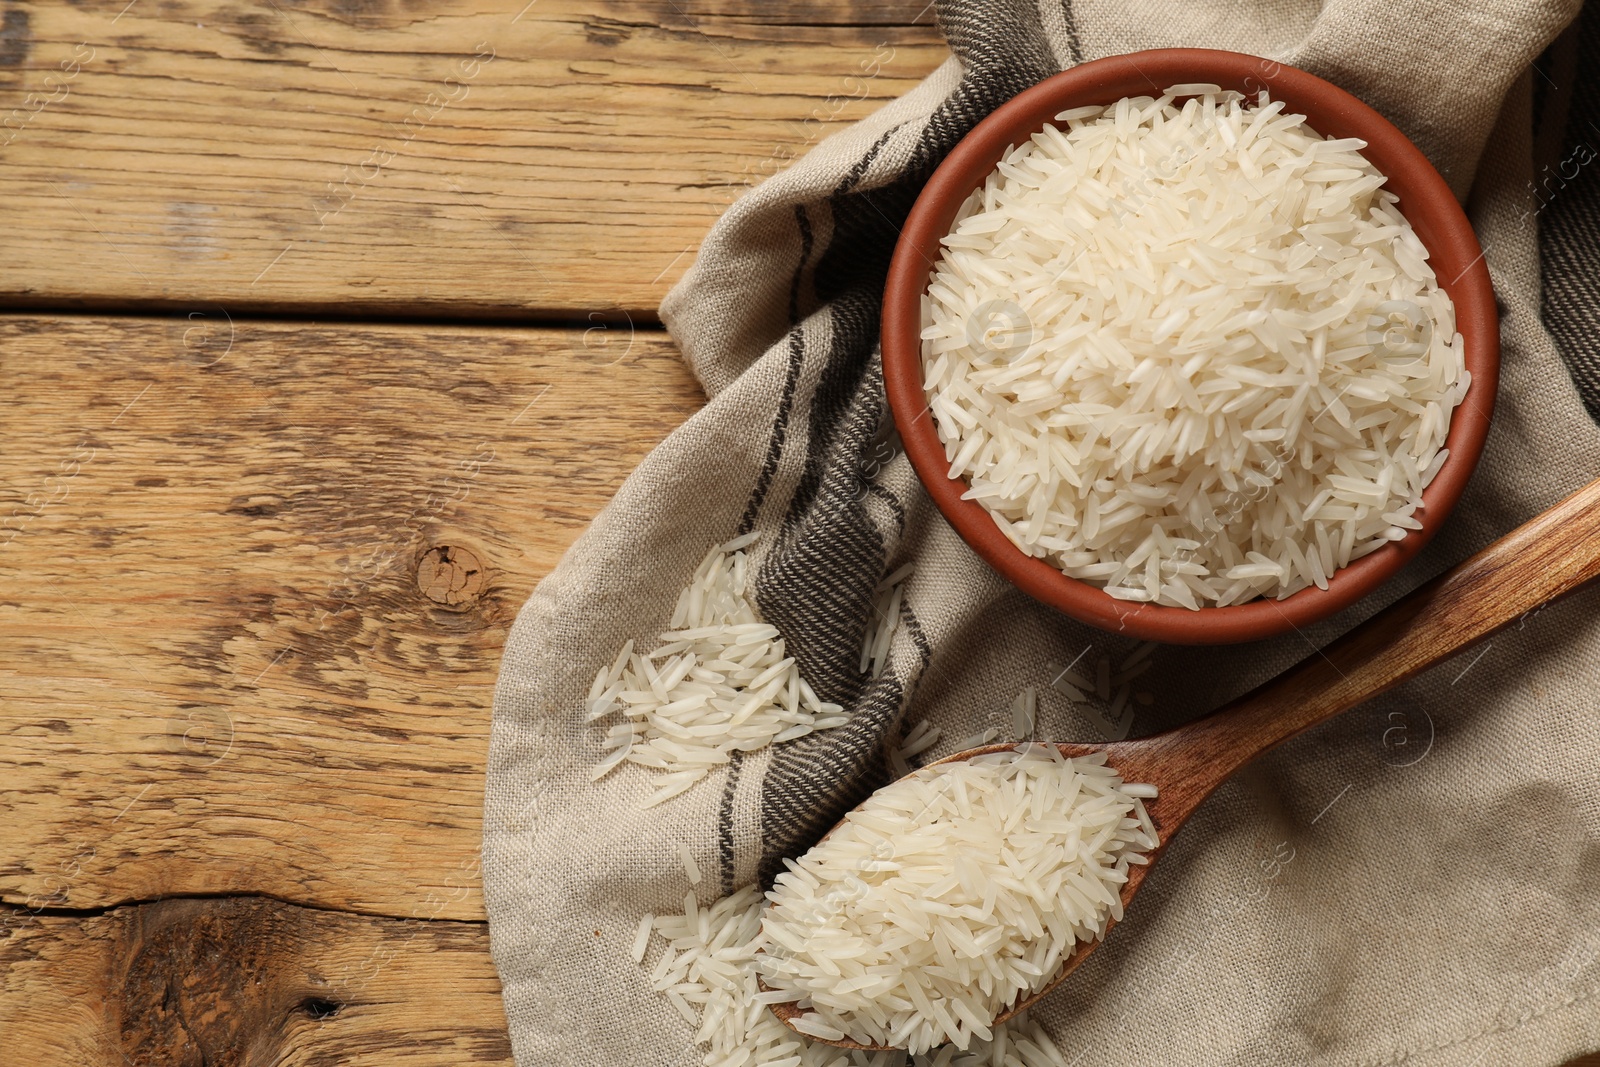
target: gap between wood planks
<point>646,324</point>
<point>481,160</point>
<point>19,914</point>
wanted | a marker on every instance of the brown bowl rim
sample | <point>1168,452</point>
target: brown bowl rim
<point>1426,199</point>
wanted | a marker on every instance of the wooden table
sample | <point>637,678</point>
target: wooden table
<point>328,327</point>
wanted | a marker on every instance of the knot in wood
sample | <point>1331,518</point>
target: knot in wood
<point>451,576</point>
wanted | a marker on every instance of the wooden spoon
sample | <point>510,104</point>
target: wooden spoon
<point>1547,558</point>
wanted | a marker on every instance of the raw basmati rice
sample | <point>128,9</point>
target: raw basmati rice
<point>1105,699</point>
<point>707,973</point>
<point>918,739</point>
<point>1025,714</point>
<point>1190,351</point>
<point>951,894</point>
<point>886,620</point>
<point>690,867</point>
<point>641,940</point>
<point>717,683</point>
<point>977,740</point>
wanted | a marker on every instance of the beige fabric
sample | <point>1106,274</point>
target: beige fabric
<point>1360,896</point>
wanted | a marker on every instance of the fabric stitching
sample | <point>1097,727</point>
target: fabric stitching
<point>1548,1008</point>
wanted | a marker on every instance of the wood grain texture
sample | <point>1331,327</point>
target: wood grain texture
<point>257,591</point>
<point>261,575</point>
<point>251,982</point>
<point>247,982</point>
<point>467,158</point>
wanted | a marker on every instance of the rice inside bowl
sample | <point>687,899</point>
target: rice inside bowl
<point>1188,350</point>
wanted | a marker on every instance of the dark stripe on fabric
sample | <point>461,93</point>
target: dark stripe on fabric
<point>1003,50</point>
<point>849,386</point>
<point>1002,47</point>
<point>914,628</point>
<point>1074,44</point>
<point>1554,73</point>
<point>725,851</point>
<point>817,584</point>
<point>1566,200</point>
<point>822,776</point>
<point>883,494</point>
<point>780,424</point>
<point>818,588</point>
<point>803,221</point>
<point>818,591</point>
<point>858,169</point>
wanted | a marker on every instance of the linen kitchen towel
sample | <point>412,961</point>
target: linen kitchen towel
<point>1417,882</point>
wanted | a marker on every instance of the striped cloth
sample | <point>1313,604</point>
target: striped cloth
<point>1417,881</point>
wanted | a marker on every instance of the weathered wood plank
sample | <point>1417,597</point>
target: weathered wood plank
<point>255,592</point>
<point>246,982</point>
<point>473,158</point>
<point>252,982</point>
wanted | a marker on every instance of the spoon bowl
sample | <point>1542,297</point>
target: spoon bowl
<point>1546,558</point>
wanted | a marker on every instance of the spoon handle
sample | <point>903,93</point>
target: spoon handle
<point>1539,561</point>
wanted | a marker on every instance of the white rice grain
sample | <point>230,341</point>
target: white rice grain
<point>641,940</point>
<point>709,967</point>
<point>886,621</point>
<point>716,683</point>
<point>951,894</point>
<point>1176,346</point>
<point>690,867</point>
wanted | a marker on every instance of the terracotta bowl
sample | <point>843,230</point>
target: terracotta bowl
<point>1426,200</point>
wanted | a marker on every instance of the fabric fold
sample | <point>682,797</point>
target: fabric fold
<point>1346,900</point>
